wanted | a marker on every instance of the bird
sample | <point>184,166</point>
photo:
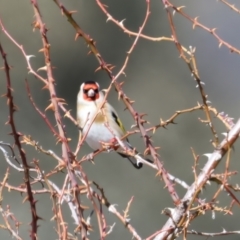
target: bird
<point>106,126</point>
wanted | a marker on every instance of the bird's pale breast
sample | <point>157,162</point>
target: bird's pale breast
<point>98,131</point>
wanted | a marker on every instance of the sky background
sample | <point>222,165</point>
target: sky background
<point>156,78</point>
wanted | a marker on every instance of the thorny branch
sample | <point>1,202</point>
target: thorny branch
<point>16,135</point>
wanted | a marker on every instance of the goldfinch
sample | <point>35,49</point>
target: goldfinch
<point>106,126</point>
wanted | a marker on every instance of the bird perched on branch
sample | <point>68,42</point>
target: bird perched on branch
<point>98,119</point>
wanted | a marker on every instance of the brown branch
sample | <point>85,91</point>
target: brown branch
<point>54,101</point>
<point>191,63</point>
<point>55,133</point>
<point>196,23</point>
<point>16,136</point>
<point>111,207</point>
<point>180,212</point>
<point>125,30</point>
<point>232,7</point>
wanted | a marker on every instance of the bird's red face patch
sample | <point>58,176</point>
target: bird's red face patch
<point>90,91</point>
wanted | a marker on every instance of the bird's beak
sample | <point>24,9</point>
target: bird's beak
<point>91,93</point>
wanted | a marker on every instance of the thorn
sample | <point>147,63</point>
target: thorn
<point>72,12</point>
<point>31,71</point>
<point>90,52</point>
<point>50,106</point>
<point>77,36</point>
<point>147,151</point>
<point>195,22</point>
<point>154,130</point>
<point>67,114</point>
<point>208,155</point>
<point>165,6</point>
<point>109,18</point>
<point>58,140</point>
<point>99,68</point>
<point>29,56</point>
<point>84,207</point>
<point>121,83</point>
<point>25,199</point>
<point>180,8</point>
<point>15,108</point>
<point>213,30</point>
<point>112,208</point>
<point>192,49</point>
<point>120,96</point>
<point>36,24</point>
<point>45,87</point>
<point>121,22</point>
<point>42,69</point>
<point>144,121</point>
<point>123,73</point>
<point>111,67</point>
<point>142,115</point>
<point>159,173</point>
<point>61,100</point>
<point>105,90</point>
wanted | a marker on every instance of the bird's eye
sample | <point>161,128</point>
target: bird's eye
<point>96,90</point>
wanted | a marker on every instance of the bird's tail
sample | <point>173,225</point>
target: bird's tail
<point>137,160</point>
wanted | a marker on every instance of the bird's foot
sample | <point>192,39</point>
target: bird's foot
<point>111,145</point>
